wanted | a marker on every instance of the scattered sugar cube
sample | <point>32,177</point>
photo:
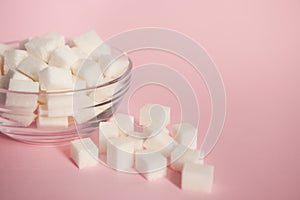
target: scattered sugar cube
<point>124,122</point>
<point>106,130</point>
<point>63,57</point>
<point>90,72</point>
<point>31,66</point>
<point>137,142</point>
<point>28,101</point>
<point>152,165</point>
<point>55,78</point>
<point>154,117</point>
<point>161,142</point>
<point>117,67</point>
<point>43,46</point>
<point>87,42</point>
<point>84,153</point>
<point>181,155</point>
<point>186,134</point>
<point>12,58</point>
<point>52,122</point>
<point>120,153</point>
<point>197,177</point>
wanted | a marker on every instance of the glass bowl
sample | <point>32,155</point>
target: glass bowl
<point>71,114</point>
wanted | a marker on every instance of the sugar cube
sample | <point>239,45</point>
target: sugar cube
<point>154,117</point>
<point>43,46</point>
<point>28,101</point>
<point>87,42</point>
<point>79,53</point>
<point>152,165</point>
<point>12,58</point>
<point>90,72</point>
<point>161,142</point>
<point>22,43</point>
<point>24,120</point>
<point>55,78</point>
<point>63,57</point>
<point>78,83</point>
<point>120,153</point>
<point>106,130</point>
<point>14,74</point>
<point>52,122</point>
<point>84,153</point>
<point>3,48</point>
<point>124,122</point>
<point>84,108</point>
<point>197,177</point>
<point>186,134</point>
<point>104,93</point>
<point>117,67</point>
<point>181,155</point>
<point>31,66</point>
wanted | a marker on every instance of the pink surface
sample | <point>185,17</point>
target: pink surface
<point>256,47</point>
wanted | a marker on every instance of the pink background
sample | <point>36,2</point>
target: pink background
<point>256,47</point>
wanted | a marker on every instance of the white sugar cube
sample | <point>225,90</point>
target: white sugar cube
<point>90,72</point>
<point>43,46</point>
<point>23,42</point>
<point>161,142</point>
<point>120,153</point>
<point>79,53</point>
<point>52,122</point>
<point>137,142</point>
<point>75,67</point>
<point>14,74</point>
<point>55,78</point>
<point>84,153</point>
<point>59,105</point>
<point>12,58</point>
<point>124,122</point>
<point>186,134</point>
<point>24,120</point>
<point>3,48</point>
<point>63,57</point>
<point>152,165</point>
<point>78,83</point>
<point>87,42</point>
<point>117,67</point>
<point>102,55</point>
<point>31,66</point>
<point>181,155</point>
<point>84,108</point>
<point>106,130</point>
<point>28,101</point>
<point>197,177</point>
<point>154,117</point>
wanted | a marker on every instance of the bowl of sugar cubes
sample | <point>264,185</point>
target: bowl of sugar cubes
<point>54,90</point>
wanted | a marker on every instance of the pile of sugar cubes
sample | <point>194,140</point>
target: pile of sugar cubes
<point>49,63</point>
<point>150,151</point>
